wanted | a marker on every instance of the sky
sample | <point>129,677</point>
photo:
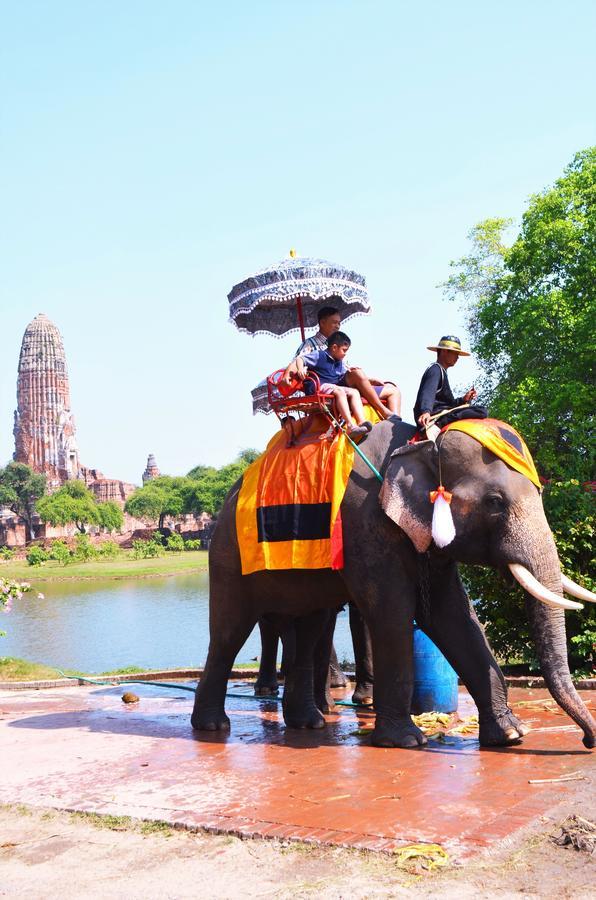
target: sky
<point>152,155</point>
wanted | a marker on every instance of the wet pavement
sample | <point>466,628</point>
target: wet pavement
<point>83,749</point>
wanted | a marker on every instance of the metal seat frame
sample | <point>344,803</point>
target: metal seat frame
<point>287,399</point>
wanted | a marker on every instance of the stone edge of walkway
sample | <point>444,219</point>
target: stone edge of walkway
<point>524,681</point>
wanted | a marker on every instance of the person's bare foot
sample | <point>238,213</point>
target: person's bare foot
<point>329,434</point>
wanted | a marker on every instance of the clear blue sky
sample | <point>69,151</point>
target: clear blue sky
<point>153,154</point>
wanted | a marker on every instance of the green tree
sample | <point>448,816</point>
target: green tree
<point>60,552</point>
<point>161,497</point>
<point>175,542</point>
<point>248,455</point>
<point>20,489</point>
<point>36,555</point>
<point>111,516</point>
<point>531,310</point>
<point>210,486</point>
<point>199,472</point>
<point>74,502</point>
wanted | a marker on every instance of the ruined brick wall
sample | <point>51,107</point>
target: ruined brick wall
<point>111,489</point>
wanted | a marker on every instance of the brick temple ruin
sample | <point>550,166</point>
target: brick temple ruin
<point>44,427</point>
<point>45,436</point>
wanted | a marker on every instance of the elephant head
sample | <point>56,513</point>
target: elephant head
<point>500,522</point>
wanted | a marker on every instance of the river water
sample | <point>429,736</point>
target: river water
<point>100,625</point>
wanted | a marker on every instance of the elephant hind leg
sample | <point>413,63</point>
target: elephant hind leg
<point>266,683</point>
<point>231,620</point>
<point>363,692</point>
<point>299,707</point>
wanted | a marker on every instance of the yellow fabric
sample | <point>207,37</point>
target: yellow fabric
<point>314,471</point>
<point>502,440</point>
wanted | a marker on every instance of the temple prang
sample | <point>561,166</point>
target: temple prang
<point>45,440</point>
<point>151,470</point>
<point>44,427</point>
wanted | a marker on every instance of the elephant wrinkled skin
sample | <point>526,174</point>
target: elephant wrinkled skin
<point>498,519</point>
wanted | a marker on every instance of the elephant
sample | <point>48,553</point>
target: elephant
<point>395,574</point>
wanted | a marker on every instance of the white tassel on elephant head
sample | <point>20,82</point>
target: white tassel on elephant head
<point>443,529</point>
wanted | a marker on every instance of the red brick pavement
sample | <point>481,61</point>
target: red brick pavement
<point>81,748</point>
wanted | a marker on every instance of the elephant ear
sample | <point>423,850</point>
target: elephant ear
<point>412,473</point>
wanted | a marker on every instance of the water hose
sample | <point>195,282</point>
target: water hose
<point>180,687</point>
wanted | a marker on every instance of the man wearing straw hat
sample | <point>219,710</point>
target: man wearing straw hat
<point>435,404</point>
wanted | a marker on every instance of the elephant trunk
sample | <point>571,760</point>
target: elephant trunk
<point>548,629</point>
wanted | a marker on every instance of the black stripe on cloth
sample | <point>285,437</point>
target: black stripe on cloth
<point>512,439</point>
<point>294,522</point>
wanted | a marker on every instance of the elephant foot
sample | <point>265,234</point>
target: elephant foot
<point>209,720</point>
<point>266,688</point>
<point>363,695</point>
<point>502,731</point>
<point>307,717</point>
<point>326,703</point>
<point>338,678</point>
<point>397,733</point>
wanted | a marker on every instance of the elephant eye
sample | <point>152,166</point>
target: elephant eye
<point>495,503</point>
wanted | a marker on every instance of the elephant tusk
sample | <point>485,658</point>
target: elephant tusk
<point>576,590</point>
<point>537,590</point>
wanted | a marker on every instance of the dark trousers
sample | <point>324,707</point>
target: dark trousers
<point>470,412</point>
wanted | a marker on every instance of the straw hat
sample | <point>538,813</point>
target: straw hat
<point>450,342</point>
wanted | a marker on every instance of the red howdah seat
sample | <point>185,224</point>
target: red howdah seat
<point>288,398</point>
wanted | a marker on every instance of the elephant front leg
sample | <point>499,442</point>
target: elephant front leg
<point>229,627</point>
<point>392,643</point>
<point>452,624</point>
<point>299,707</point>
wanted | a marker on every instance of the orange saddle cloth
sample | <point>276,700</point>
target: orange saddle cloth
<point>288,512</point>
<point>502,440</point>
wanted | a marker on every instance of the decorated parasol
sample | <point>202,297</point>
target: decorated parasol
<point>287,297</point>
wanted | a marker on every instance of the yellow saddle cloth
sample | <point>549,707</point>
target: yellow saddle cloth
<point>502,440</point>
<point>288,511</point>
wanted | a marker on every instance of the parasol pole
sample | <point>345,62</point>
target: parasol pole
<point>300,317</point>
<point>299,305</point>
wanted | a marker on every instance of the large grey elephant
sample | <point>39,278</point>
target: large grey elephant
<point>395,574</point>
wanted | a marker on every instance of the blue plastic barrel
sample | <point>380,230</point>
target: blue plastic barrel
<point>435,682</point>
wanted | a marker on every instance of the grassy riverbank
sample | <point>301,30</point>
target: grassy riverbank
<point>123,567</point>
<point>14,669</point>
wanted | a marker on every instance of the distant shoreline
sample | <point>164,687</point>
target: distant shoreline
<point>186,563</point>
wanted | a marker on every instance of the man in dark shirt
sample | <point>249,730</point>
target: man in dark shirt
<point>435,394</point>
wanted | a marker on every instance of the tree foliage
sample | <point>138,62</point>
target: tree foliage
<point>203,490</point>
<point>210,486</point>
<point>20,489</point>
<point>532,318</point>
<point>75,503</point>
<point>531,310</point>
<point>160,497</point>
<point>111,516</point>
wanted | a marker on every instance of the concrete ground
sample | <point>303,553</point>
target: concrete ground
<point>82,749</point>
